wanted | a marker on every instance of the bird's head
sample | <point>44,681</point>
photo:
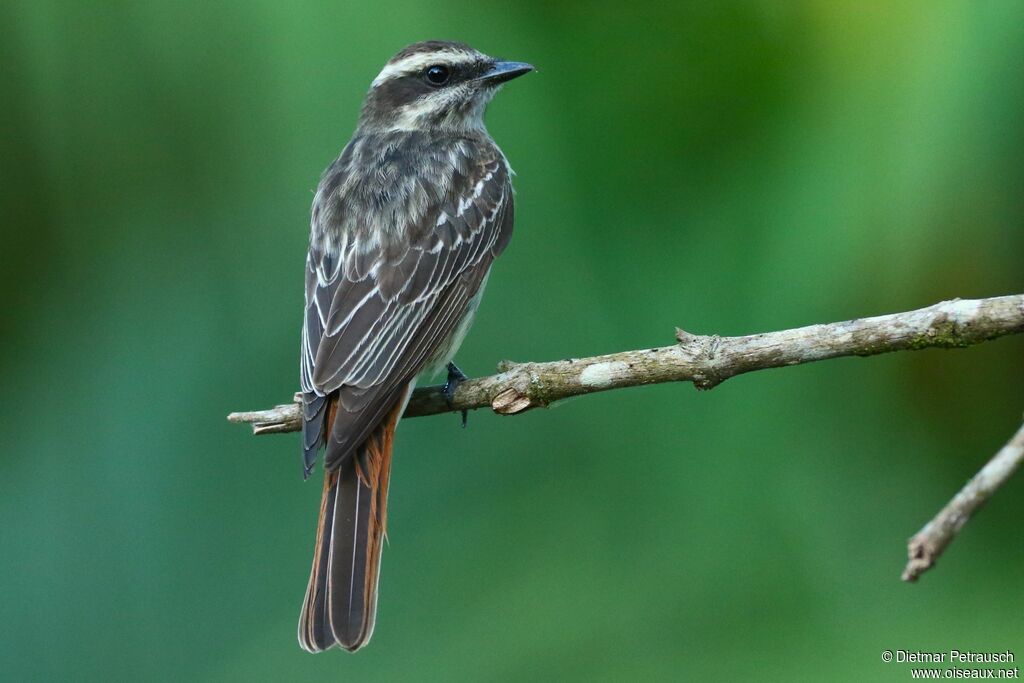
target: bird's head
<point>435,85</point>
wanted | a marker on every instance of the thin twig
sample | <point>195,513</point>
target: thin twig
<point>927,544</point>
<point>704,360</point>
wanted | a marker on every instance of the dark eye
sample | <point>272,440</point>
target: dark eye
<point>438,74</point>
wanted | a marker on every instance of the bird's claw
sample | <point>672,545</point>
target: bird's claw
<point>455,378</point>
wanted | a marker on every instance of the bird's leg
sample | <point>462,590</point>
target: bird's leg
<point>455,378</point>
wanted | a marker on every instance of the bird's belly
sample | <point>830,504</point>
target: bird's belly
<point>447,350</point>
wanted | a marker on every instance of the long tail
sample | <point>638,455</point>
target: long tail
<point>341,598</point>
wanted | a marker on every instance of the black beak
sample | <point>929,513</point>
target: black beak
<point>505,71</point>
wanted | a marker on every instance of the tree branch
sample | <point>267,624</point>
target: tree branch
<point>927,545</point>
<point>710,360</point>
<point>704,360</point>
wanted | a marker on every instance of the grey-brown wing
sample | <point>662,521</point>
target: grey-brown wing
<point>374,318</point>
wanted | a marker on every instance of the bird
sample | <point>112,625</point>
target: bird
<point>404,227</point>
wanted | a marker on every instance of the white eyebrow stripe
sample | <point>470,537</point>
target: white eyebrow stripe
<point>414,63</point>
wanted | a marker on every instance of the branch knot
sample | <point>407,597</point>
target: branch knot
<point>709,373</point>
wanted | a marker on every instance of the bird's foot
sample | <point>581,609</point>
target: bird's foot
<point>455,378</point>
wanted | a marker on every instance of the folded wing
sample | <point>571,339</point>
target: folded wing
<point>377,311</point>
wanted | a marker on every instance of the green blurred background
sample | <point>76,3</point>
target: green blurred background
<point>728,167</point>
